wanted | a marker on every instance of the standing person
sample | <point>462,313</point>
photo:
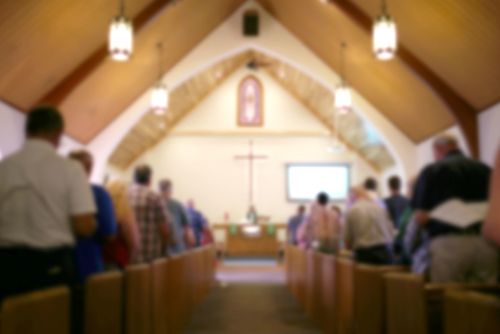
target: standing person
<point>371,188</point>
<point>456,254</point>
<point>124,249</point>
<point>368,230</point>
<point>322,227</point>
<point>294,223</point>
<point>45,200</point>
<point>152,218</point>
<point>491,230</point>
<point>198,222</point>
<point>396,203</point>
<point>181,230</point>
<point>88,251</point>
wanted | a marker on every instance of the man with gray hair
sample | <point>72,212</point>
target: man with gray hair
<point>457,254</point>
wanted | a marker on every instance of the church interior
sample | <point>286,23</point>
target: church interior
<point>235,115</point>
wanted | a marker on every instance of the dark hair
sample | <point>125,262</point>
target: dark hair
<point>165,185</point>
<point>323,198</point>
<point>142,174</point>
<point>370,184</point>
<point>44,120</point>
<point>394,183</point>
<point>84,157</point>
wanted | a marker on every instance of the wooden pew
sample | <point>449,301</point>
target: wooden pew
<point>309,283</point>
<point>159,296</point>
<point>318,311</point>
<point>328,293</point>
<point>174,277</point>
<point>414,307</point>
<point>138,304</point>
<point>469,312</point>
<point>103,312</point>
<point>301,276</point>
<point>369,297</point>
<point>39,312</point>
<point>344,285</point>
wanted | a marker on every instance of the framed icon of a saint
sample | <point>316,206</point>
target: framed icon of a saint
<point>250,102</point>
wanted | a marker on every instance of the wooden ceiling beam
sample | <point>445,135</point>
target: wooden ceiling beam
<point>464,114</point>
<point>59,93</point>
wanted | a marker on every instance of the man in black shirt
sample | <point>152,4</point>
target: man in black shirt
<point>456,254</point>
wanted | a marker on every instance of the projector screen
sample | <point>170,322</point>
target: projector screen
<point>305,181</point>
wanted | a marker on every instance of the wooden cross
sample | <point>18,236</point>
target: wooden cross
<point>251,157</point>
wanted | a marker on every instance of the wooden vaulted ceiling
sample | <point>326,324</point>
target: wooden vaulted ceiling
<point>446,70</point>
<point>352,130</point>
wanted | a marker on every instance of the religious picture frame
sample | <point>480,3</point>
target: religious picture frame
<point>250,102</point>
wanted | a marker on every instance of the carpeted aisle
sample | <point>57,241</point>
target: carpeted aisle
<point>254,306</point>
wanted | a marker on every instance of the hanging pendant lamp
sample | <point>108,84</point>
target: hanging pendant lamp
<point>159,95</point>
<point>384,37</point>
<point>343,100</point>
<point>121,36</point>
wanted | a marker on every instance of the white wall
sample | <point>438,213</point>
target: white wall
<point>12,132</point>
<point>275,40</point>
<point>199,155</point>
<point>11,129</point>
<point>489,133</point>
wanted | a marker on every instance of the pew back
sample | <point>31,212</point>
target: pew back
<point>160,296</point>
<point>328,293</point>
<point>104,304</point>
<point>471,312</point>
<point>344,284</point>
<point>40,312</point>
<point>138,303</point>
<point>369,298</point>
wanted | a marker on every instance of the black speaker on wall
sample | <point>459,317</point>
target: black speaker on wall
<point>251,23</point>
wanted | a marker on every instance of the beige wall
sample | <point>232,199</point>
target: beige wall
<point>199,155</point>
<point>275,40</point>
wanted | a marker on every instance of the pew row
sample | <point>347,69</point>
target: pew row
<point>39,312</point>
<point>414,307</point>
<point>146,298</point>
<point>468,312</point>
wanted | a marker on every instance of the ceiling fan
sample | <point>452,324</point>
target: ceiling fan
<point>254,64</point>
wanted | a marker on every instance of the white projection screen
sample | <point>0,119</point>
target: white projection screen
<point>305,181</point>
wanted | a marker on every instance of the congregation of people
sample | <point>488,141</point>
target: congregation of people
<point>404,230</point>
<point>58,228</point>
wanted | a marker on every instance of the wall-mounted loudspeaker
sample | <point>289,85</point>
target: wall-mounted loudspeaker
<point>251,23</point>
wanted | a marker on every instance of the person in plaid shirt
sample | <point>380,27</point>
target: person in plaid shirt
<point>152,217</point>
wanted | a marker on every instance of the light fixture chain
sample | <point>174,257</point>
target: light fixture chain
<point>384,7</point>
<point>160,60</point>
<point>122,7</point>
<point>343,46</point>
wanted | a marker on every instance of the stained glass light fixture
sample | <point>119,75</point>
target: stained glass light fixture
<point>385,39</point>
<point>121,36</point>
<point>343,100</point>
<point>159,95</point>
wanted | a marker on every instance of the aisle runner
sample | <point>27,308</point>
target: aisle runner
<point>250,298</point>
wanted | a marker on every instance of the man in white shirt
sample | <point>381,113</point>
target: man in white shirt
<point>45,201</point>
<point>368,230</point>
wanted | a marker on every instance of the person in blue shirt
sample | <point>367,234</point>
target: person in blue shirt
<point>197,220</point>
<point>294,223</point>
<point>88,251</point>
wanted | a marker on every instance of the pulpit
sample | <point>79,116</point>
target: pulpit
<point>245,240</point>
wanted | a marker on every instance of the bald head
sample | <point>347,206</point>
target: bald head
<point>443,145</point>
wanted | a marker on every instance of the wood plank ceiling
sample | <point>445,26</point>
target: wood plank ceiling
<point>44,42</point>
<point>353,131</point>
